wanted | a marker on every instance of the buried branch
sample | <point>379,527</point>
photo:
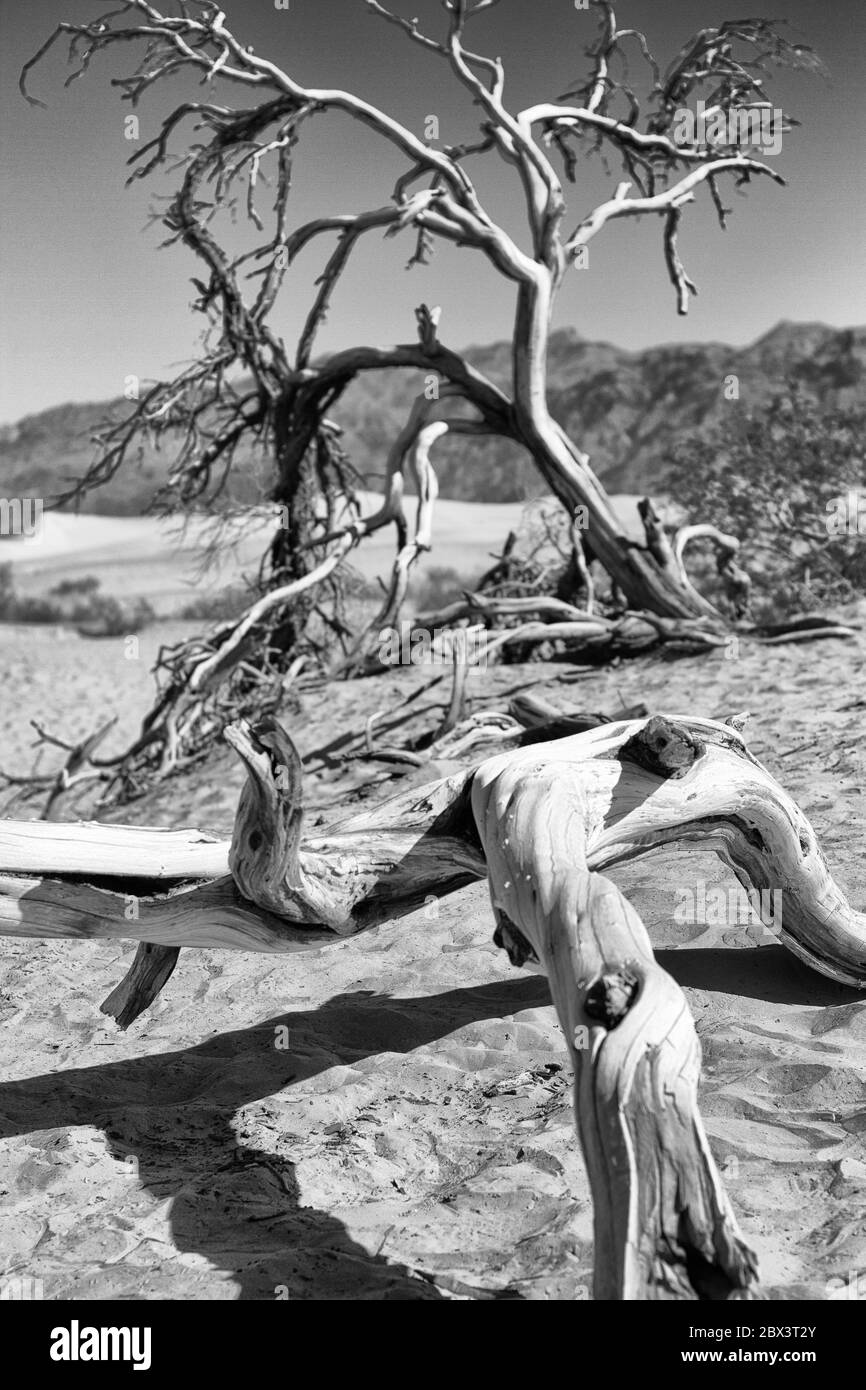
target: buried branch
<point>541,822</point>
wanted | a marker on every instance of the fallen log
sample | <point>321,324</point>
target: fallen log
<point>588,634</point>
<point>541,822</point>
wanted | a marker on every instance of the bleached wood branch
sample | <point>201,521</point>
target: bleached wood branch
<point>411,453</point>
<point>724,799</point>
<point>620,205</point>
<point>737,582</point>
<point>95,850</point>
<point>681,282</point>
<point>547,113</point>
<point>702,531</point>
<point>509,135</point>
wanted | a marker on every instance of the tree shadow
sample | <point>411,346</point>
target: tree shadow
<point>240,1208</point>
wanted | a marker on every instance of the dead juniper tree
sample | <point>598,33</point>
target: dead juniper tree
<point>248,385</point>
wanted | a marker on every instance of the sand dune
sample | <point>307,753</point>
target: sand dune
<point>162,561</point>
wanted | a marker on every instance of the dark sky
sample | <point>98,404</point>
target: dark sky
<point>86,298</point>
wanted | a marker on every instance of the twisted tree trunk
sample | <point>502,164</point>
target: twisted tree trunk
<point>637,571</point>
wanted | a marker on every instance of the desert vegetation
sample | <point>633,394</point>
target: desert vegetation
<point>787,480</point>
<point>77,603</point>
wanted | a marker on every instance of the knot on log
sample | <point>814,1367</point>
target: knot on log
<point>264,858</point>
<point>738,721</point>
<point>610,998</point>
<point>510,939</point>
<point>663,747</point>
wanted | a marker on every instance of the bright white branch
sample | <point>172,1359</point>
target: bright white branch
<point>620,206</point>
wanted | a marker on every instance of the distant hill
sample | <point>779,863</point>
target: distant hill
<point>627,409</point>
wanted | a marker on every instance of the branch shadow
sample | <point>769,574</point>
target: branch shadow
<point>770,973</point>
<point>241,1208</point>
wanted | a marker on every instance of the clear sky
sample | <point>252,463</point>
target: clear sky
<point>87,299</point>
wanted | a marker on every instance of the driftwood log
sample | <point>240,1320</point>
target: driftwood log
<point>541,822</point>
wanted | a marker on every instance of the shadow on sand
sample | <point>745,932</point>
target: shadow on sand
<point>240,1208</point>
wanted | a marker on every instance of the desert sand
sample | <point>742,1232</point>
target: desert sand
<point>390,1117</point>
<point>162,561</point>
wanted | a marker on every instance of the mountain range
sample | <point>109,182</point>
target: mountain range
<point>626,409</point>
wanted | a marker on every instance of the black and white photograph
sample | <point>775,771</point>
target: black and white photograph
<point>433,665</point>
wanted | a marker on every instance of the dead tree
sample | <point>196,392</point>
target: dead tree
<point>283,399</point>
<point>543,823</point>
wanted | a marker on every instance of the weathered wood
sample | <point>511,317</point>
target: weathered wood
<point>663,1225</point>
<point>382,862</point>
<point>457,703</point>
<point>366,870</point>
<point>94,850</point>
<point>209,915</point>
<point>663,747</point>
